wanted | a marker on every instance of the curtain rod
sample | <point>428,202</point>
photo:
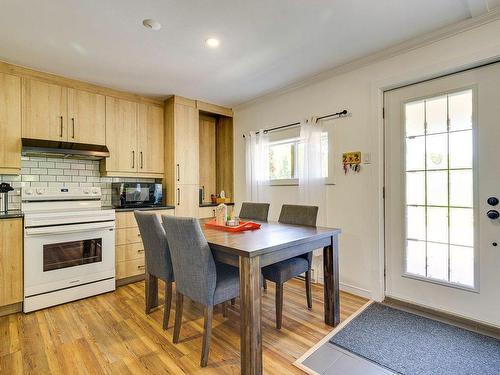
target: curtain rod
<point>338,114</point>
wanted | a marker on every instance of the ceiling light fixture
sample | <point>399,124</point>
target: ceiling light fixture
<point>151,24</point>
<point>212,42</point>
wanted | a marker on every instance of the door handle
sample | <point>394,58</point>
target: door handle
<point>178,196</point>
<point>492,201</point>
<point>178,172</point>
<point>61,128</point>
<point>133,159</point>
<point>73,127</point>
<point>493,214</point>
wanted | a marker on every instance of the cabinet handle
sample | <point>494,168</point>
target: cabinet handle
<point>140,251</point>
<point>61,127</point>
<point>73,127</point>
<point>142,161</point>
<point>178,197</point>
<point>203,193</point>
<point>133,159</point>
<point>178,173</point>
<point>141,267</point>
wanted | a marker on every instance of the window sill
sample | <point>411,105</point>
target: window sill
<point>292,182</point>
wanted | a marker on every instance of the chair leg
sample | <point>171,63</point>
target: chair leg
<point>178,317</point>
<point>279,305</point>
<point>207,333</point>
<point>168,304</point>
<point>233,301</point>
<point>309,290</point>
<point>264,284</point>
<point>151,292</point>
<point>224,309</point>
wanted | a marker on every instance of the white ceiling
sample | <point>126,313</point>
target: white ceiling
<point>265,44</point>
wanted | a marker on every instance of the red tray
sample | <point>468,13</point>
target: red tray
<point>244,225</point>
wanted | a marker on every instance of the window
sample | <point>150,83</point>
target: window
<point>439,189</point>
<point>285,158</point>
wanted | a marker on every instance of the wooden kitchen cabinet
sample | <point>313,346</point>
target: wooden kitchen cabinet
<point>206,212</point>
<point>121,136</point>
<point>11,261</point>
<point>207,157</point>
<point>86,117</point>
<point>187,200</point>
<point>186,138</point>
<point>45,111</point>
<point>150,138</point>
<point>10,124</point>
<point>129,249</point>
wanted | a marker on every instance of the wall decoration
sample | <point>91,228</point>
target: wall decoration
<point>352,161</point>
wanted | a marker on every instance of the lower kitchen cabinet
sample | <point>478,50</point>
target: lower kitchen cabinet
<point>129,250</point>
<point>11,261</point>
<point>206,212</point>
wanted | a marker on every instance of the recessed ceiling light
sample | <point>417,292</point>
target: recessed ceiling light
<point>151,24</point>
<point>212,42</point>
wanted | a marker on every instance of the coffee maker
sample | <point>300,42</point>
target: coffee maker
<point>4,196</point>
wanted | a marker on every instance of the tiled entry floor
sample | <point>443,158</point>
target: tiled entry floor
<point>330,359</point>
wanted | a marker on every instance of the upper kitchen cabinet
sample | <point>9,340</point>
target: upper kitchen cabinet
<point>10,124</point>
<point>121,135</point>
<point>134,137</point>
<point>56,113</point>
<point>86,117</point>
<point>150,132</point>
<point>45,111</point>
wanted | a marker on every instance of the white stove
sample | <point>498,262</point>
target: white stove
<point>69,245</point>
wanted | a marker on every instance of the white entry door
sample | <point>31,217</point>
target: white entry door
<point>442,142</point>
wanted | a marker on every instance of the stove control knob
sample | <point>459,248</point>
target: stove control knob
<point>95,191</point>
<point>28,192</point>
<point>40,191</point>
<point>86,191</point>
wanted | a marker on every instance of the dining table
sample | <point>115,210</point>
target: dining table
<point>271,243</point>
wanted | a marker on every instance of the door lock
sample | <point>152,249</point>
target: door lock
<point>492,201</point>
<point>493,214</point>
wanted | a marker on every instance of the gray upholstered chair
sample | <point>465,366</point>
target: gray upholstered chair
<point>254,211</point>
<point>198,276</point>
<point>287,269</point>
<point>158,262</point>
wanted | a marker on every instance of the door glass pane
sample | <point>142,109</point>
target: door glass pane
<point>71,254</point>
<point>437,261</point>
<point>415,257</point>
<point>437,151</point>
<point>462,226</point>
<point>415,153</point>
<point>460,108</point>
<point>414,118</point>
<point>440,190</point>
<point>461,149</point>
<point>415,188</point>
<point>436,115</point>
<point>415,222</point>
<point>461,187</point>
<point>437,224</point>
<point>437,188</point>
<point>462,265</point>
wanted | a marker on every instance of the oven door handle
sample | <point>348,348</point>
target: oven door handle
<point>72,228</point>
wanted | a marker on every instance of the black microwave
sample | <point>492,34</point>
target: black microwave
<point>136,194</point>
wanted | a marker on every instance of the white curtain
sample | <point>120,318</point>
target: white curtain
<point>311,181</point>
<point>257,165</point>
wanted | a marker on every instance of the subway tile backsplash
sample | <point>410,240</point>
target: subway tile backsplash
<point>44,172</point>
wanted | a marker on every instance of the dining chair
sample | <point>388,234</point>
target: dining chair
<point>287,269</point>
<point>254,211</point>
<point>198,276</point>
<point>158,261</point>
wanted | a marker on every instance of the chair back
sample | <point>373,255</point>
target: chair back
<point>254,211</point>
<point>298,215</point>
<point>192,259</point>
<point>157,253</point>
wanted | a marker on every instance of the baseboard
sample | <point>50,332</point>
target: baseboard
<point>355,290</point>
<point>129,280</point>
<point>11,309</point>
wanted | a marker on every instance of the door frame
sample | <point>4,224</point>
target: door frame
<point>378,89</point>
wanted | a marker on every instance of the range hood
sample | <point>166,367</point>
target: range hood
<point>57,149</point>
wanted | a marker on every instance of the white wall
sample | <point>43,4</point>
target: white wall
<point>354,203</point>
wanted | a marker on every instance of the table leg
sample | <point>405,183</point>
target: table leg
<point>250,316</point>
<point>331,281</point>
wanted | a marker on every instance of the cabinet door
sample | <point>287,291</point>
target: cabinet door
<point>150,138</point>
<point>10,123</point>
<point>206,212</point>
<point>207,157</point>
<point>45,111</point>
<point>11,261</point>
<point>86,117</point>
<point>121,135</point>
<point>187,200</point>
<point>186,138</point>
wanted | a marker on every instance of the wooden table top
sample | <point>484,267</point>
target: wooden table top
<point>271,236</point>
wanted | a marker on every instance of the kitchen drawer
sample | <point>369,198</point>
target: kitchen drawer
<point>130,268</point>
<point>129,252</point>
<point>125,220</point>
<point>205,212</point>
<point>126,236</point>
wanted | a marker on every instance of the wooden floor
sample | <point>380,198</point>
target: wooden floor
<point>110,334</point>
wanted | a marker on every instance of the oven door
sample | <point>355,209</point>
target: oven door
<point>62,256</point>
